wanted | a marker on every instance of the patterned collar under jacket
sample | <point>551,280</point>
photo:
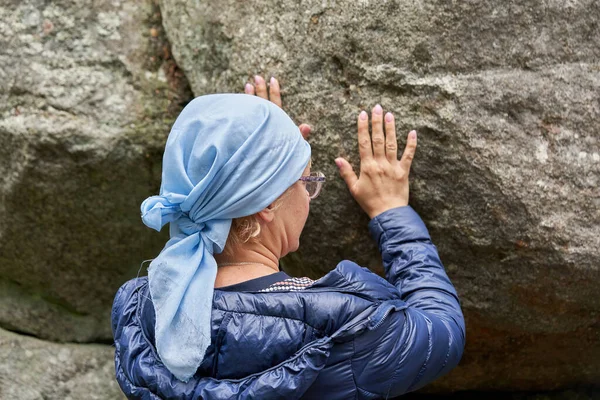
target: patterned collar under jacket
<point>350,335</point>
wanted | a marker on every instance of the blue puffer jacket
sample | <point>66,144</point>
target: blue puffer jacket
<point>351,335</point>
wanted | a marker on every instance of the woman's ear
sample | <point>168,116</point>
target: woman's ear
<point>267,214</point>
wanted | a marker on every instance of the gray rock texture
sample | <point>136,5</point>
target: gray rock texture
<point>87,95</point>
<point>34,369</point>
<point>505,97</point>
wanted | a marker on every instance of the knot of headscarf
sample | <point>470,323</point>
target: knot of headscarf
<point>158,210</point>
<point>227,156</point>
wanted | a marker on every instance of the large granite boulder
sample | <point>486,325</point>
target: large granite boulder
<point>87,95</point>
<point>34,369</point>
<point>505,97</point>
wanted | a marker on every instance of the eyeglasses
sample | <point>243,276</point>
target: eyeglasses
<point>314,183</point>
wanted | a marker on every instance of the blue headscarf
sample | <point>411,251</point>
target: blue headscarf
<point>227,156</point>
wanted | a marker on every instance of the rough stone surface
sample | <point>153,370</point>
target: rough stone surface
<point>505,99</point>
<point>33,369</point>
<point>87,96</point>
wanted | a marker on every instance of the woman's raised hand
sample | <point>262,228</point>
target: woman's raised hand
<point>274,94</point>
<point>383,181</point>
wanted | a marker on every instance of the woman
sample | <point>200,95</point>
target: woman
<point>215,319</point>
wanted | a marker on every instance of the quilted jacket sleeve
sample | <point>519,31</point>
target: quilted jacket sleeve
<point>426,340</point>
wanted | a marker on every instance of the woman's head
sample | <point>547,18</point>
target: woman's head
<point>227,156</point>
<point>285,218</point>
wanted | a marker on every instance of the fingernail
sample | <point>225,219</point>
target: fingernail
<point>248,88</point>
<point>378,110</point>
<point>413,134</point>
<point>363,115</point>
<point>338,162</point>
<point>389,117</point>
<point>273,81</point>
<point>258,79</point>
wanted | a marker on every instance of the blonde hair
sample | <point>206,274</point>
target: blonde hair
<point>246,229</point>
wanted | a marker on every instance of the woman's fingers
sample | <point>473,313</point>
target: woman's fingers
<point>391,145</point>
<point>275,91</point>
<point>261,87</point>
<point>274,95</point>
<point>377,137</point>
<point>347,173</point>
<point>364,140</point>
<point>409,151</point>
<point>305,130</point>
